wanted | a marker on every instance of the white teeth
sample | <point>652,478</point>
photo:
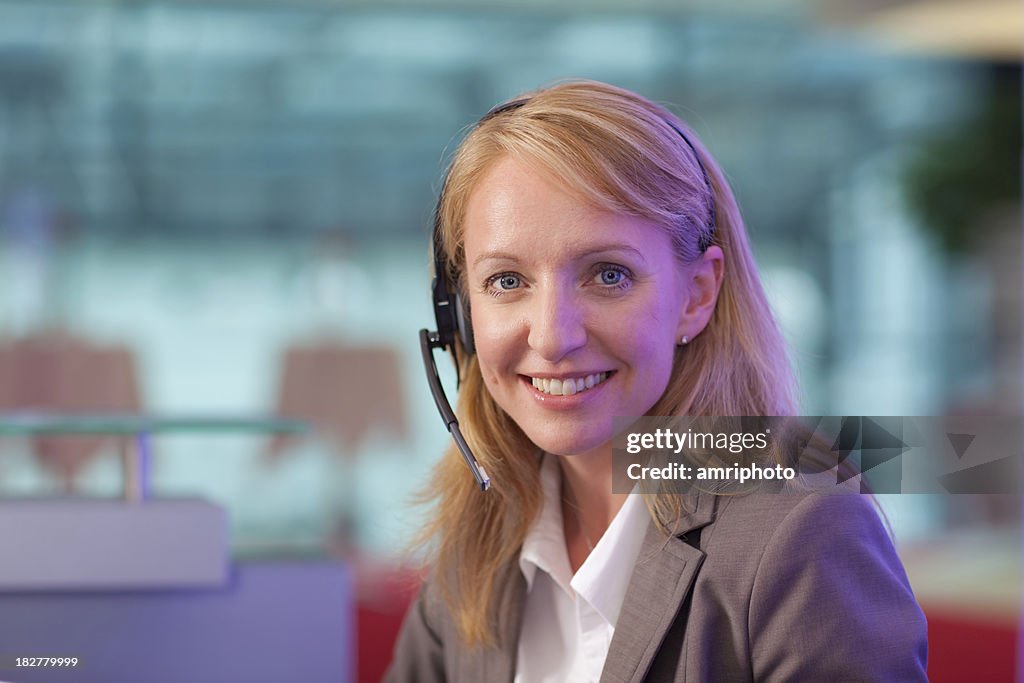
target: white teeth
<point>568,386</point>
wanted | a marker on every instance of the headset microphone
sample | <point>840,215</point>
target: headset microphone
<point>428,342</point>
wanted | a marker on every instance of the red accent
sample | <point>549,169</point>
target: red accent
<point>379,614</point>
<point>962,648</point>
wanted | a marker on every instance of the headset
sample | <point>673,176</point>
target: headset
<point>451,313</point>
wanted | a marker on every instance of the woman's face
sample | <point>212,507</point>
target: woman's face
<point>576,311</point>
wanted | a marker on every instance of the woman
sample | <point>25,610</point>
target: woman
<point>602,255</point>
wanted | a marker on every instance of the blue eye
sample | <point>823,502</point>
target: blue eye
<point>497,285</point>
<point>610,276</point>
<point>508,281</point>
<point>613,276</point>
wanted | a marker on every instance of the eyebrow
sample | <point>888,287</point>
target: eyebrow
<point>602,249</point>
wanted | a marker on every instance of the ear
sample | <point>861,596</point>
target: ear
<point>703,281</point>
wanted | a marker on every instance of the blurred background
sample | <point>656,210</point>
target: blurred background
<point>223,208</point>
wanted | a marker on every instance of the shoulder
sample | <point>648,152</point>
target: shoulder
<point>753,538</point>
<point>844,531</point>
<point>821,572</point>
<point>790,543</point>
<point>422,651</point>
<point>761,509</point>
<point>429,647</point>
<point>766,524</point>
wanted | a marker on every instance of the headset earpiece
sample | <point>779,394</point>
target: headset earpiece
<point>451,312</point>
<point>452,316</point>
<point>464,325</point>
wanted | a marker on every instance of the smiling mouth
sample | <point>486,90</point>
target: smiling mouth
<point>570,385</point>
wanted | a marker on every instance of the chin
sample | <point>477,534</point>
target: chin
<point>558,442</point>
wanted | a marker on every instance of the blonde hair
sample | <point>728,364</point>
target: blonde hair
<point>619,152</point>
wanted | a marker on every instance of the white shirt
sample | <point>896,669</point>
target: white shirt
<point>568,621</point>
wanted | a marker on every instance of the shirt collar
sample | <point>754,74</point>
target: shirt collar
<point>603,579</point>
<point>544,545</point>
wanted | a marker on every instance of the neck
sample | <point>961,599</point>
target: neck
<point>587,485</point>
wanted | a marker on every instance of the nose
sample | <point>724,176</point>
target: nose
<point>556,324</point>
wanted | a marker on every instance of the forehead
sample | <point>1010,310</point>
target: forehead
<point>520,210</point>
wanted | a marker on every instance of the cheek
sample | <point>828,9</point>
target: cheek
<point>651,346</point>
<point>653,357</point>
<point>494,351</point>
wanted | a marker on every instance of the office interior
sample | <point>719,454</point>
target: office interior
<point>214,224</point>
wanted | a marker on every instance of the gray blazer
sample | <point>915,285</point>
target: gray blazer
<point>763,587</point>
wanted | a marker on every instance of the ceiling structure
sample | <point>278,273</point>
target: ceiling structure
<point>256,117</point>
<point>975,29</point>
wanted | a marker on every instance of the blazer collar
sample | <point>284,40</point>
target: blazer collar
<point>664,574</point>
<point>663,577</point>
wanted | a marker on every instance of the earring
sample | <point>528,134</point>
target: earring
<point>684,341</point>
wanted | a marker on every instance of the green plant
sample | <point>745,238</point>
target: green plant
<point>960,176</point>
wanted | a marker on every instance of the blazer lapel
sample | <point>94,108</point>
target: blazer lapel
<point>664,574</point>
